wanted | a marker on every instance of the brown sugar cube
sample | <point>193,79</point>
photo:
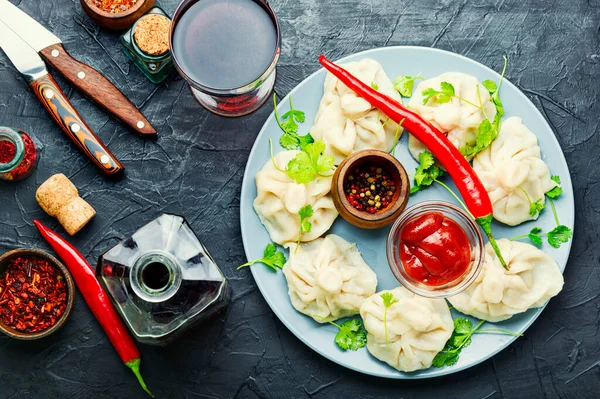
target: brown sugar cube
<point>58,197</point>
<point>54,193</point>
<point>74,215</point>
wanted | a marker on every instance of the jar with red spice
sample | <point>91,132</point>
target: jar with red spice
<point>18,154</point>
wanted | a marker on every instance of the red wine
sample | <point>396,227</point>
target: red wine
<point>225,44</point>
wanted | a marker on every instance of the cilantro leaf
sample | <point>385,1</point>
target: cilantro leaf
<point>462,325</point>
<point>534,236</point>
<point>486,134</point>
<point>388,300</point>
<point>271,257</point>
<point>375,86</point>
<point>404,84</point>
<point>305,140</point>
<point>559,235</point>
<point>536,207</point>
<point>351,335</point>
<point>289,141</point>
<point>305,213</point>
<point>426,173</point>
<point>556,191</point>
<point>440,96</point>
<point>310,163</point>
<point>490,86</point>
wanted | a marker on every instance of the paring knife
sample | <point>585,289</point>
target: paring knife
<point>85,78</point>
<point>31,66</point>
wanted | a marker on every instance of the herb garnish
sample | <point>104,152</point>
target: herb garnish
<point>305,225</point>
<point>404,84</point>
<point>350,335</point>
<point>388,300</point>
<point>535,207</point>
<point>461,338</point>
<point>558,235</point>
<point>374,85</point>
<point>308,164</point>
<point>271,257</point>
<point>291,140</point>
<point>426,173</point>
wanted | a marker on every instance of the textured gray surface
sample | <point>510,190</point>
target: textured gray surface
<point>195,169</point>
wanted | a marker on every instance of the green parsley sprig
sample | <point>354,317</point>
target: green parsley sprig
<point>388,300</point>
<point>559,234</point>
<point>305,213</point>
<point>460,339</point>
<point>404,84</point>
<point>426,173</point>
<point>535,207</point>
<point>374,85</point>
<point>350,335</point>
<point>271,257</point>
<point>291,140</point>
<point>308,164</point>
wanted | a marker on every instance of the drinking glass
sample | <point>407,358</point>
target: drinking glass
<point>228,101</point>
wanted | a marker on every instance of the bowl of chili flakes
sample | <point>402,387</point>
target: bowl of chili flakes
<point>36,294</point>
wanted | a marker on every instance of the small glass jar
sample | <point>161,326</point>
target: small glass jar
<point>470,228</point>
<point>156,67</point>
<point>18,154</point>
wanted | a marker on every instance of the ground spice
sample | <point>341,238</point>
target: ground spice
<point>114,6</point>
<point>152,34</point>
<point>33,295</point>
<point>8,151</point>
<point>369,188</point>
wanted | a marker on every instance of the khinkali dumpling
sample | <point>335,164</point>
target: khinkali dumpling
<point>457,119</point>
<point>417,329</point>
<point>497,294</point>
<point>510,167</point>
<point>280,198</point>
<point>328,278</point>
<point>348,123</point>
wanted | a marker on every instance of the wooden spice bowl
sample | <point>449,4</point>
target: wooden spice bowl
<point>5,261</point>
<point>116,21</point>
<point>385,215</point>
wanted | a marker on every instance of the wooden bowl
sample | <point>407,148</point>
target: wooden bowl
<point>5,261</point>
<point>116,21</point>
<point>384,216</point>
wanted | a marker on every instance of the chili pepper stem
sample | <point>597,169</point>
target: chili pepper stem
<point>486,224</point>
<point>134,365</point>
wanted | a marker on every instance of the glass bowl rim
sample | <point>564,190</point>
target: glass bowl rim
<point>456,286</point>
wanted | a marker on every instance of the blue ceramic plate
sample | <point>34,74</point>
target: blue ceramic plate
<point>307,95</point>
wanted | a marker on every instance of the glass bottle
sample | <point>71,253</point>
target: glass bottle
<point>18,154</point>
<point>162,280</point>
<point>155,67</point>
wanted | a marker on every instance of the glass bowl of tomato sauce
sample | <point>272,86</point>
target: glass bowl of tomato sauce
<point>435,249</point>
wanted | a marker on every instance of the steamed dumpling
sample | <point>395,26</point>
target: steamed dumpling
<point>348,123</point>
<point>510,167</point>
<point>497,294</point>
<point>417,328</point>
<point>328,278</point>
<point>456,119</point>
<point>280,198</point>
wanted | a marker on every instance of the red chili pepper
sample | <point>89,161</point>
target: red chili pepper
<point>466,180</point>
<point>97,300</point>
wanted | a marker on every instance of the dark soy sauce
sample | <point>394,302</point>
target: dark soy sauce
<point>225,44</point>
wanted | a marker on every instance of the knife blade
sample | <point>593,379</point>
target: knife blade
<point>85,78</point>
<point>33,69</point>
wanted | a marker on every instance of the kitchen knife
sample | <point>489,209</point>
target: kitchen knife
<point>85,78</point>
<point>31,66</point>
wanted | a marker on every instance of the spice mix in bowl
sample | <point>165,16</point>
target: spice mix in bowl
<point>36,294</point>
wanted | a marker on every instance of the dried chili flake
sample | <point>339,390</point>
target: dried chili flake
<point>33,295</point>
<point>114,6</point>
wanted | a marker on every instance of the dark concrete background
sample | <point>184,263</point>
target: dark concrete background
<point>195,169</point>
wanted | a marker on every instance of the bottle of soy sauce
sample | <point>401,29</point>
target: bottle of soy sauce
<point>162,280</point>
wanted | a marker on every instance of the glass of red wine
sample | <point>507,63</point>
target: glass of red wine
<point>227,50</point>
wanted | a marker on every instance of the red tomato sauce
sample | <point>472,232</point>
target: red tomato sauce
<point>434,249</point>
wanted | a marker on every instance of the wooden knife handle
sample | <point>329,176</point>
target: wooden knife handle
<point>56,103</point>
<point>99,89</point>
